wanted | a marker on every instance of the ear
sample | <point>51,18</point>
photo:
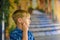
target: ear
<point>19,20</point>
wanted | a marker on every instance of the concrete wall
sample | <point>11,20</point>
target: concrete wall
<point>57,10</point>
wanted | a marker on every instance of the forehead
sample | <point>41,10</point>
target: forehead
<point>26,14</point>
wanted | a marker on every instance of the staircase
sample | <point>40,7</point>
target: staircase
<point>41,25</point>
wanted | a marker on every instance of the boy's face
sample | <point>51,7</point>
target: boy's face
<point>26,19</point>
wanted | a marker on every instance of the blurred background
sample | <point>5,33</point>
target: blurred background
<point>45,17</point>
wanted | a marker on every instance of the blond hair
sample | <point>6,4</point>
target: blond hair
<point>19,14</point>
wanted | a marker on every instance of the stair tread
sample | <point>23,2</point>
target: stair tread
<point>46,33</point>
<point>45,29</point>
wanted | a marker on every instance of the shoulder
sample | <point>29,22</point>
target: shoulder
<point>15,31</point>
<point>15,34</point>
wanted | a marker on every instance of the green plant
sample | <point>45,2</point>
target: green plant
<point>5,9</point>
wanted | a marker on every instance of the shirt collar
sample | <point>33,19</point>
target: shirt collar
<point>18,29</point>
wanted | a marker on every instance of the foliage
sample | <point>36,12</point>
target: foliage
<point>5,9</point>
<point>0,12</point>
<point>16,1</point>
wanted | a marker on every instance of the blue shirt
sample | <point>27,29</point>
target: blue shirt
<point>17,35</point>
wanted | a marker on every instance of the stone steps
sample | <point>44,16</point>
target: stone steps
<point>42,25</point>
<point>37,29</point>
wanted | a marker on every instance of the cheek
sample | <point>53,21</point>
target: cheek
<point>28,22</point>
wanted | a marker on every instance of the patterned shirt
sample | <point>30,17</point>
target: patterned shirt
<point>17,35</point>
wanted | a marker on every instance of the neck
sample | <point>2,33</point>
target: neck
<point>19,26</point>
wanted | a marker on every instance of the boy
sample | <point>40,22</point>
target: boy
<point>22,20</point>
